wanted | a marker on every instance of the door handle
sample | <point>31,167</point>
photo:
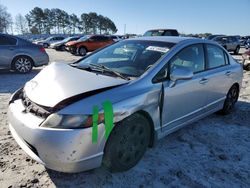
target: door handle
<point>203,81</point>
<point>228,73</point>
<point>11,49</point>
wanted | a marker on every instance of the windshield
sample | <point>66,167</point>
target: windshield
<point>67,39</point>
<point>83,38</point>
<point>130,58</point>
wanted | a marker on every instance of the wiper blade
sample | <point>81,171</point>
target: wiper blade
<point>104,68</point>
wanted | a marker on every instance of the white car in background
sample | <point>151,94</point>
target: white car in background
<point>46,43</point>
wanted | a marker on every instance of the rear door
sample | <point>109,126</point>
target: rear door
<point>8,45</point>
<point>94,43</point>
<point>218,76</point>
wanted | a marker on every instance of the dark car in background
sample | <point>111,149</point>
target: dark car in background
<point>60,45</point>
<point>88,43</point>
<point>161,32</point>
<point>244,40</point>
<point>20,55</point>
<point>230,43</point>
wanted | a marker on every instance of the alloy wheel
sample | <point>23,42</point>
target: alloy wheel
<point>23,65</point>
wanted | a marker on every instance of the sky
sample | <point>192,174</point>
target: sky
<point>231,17</point>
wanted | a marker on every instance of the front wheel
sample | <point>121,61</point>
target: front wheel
<point>231,99</point>
<point>127,143</point>
<point>82,51</point>
<point>22,64</point>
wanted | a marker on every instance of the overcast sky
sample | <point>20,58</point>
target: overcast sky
<point>189,16</point>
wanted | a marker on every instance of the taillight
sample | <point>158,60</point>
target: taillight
<point>42,49</point>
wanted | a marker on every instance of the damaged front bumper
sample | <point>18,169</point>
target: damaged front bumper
<point>64,150</point>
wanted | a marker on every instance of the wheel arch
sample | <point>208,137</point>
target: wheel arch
<point>21,55</point>
<point>151,123</point>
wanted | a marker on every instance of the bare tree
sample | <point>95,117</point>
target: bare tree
<point>5,19</point>
<point>21,24</point>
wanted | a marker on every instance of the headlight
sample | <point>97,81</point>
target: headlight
<point>70,121</point>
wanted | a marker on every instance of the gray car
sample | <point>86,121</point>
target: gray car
<point>230,43</point>
<point>20,55</point>
<point>109,106</point>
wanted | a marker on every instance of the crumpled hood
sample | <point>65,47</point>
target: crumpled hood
<point>60,81</point>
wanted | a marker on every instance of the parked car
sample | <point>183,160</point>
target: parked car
<point>116,38</point>
<point>46,43</point>
<point>247,43</point>
<point>61,44</point>
<point>88,43</point>
<point>161,32</point>
<point>243,40</point>
<point>211,37</point>
<point>20,55</point>
<point>246,60</point>
<point>130,94</point>
<point>230,43</point>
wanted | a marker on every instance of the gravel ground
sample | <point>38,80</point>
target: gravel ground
<point>213,152</point>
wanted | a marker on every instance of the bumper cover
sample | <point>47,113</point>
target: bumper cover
<point>58,149</point>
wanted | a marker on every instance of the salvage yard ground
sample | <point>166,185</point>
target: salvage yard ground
<point>213,152</point>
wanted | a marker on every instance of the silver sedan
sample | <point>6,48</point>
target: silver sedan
<point>20,55</point>
<point>108,107</point>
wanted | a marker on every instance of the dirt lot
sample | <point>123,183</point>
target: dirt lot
<point>213,152</point>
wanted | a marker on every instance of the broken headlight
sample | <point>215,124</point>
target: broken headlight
<point>70,121</point>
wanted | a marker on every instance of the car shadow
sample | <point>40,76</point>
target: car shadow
<point>10,81</point>
<point>166,150</point>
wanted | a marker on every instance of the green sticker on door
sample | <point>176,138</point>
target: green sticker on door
<point>108,120</point>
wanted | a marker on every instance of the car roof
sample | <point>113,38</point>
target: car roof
<point>170,39</point>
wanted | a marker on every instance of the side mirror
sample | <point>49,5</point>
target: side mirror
<point>180,73</point>
<point>90,40</point>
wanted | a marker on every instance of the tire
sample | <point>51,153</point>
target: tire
<point>45,45</point>
<point>231,99</point>
<point>82,51</point>
<point>22,64</point>
<point>247,67</point>
<point>236,51</point>
<point>63,48</point>
<point>127,143</point>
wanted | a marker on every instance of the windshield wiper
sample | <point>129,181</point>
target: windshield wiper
<point>104,68</point>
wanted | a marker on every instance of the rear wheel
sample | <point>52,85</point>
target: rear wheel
<point>127,143</point>
<point>45,45</point>
<point>22,64</point>
<point>82,51</point>
<point>247,67</point>
<point>236,51</point>
<point>231,99</point>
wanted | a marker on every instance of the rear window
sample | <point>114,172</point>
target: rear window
<point>216,56</point>
<point>5,40</point>
<point>161,33</point>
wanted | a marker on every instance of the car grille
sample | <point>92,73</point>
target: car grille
<point>34,108</point>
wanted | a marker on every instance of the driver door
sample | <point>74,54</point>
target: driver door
<point>185,100</point>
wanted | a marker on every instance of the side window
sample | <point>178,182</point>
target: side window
<point>215,56</point>
<point>191,57</point>
<point>4,40</point>
<point>95,38</point>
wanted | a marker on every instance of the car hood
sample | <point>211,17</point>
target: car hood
<point>57,43</point>
<point>71,43</point>
<point>60,81</point>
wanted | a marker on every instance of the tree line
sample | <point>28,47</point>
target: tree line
<point>56,21</point>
